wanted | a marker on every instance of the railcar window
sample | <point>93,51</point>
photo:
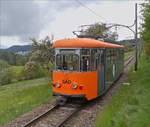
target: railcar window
<point>68,62</point>
<point>58,62</point>
<point>108,55</point>
<point>113,56</point>
<point>85,63</point>
<point>85,59</point>
<point>94,59</point>
<point>85,52</point>
<point>68,51</point>
<point>102,57</point>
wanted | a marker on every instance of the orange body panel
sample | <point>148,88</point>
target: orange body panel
<point>83,43</point>
<point>86,79</point>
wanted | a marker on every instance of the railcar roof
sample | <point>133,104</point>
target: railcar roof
<point>83,43</point>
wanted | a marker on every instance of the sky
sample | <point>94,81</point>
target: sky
<point>21,20</point>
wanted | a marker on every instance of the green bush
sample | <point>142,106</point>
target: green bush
<point>10,74</point>
<point>5,73</point>
<point>3,65</point>
<point>6,76</point>
<point>31,70</point>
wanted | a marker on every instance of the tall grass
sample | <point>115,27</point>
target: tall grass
<point>21,97</point>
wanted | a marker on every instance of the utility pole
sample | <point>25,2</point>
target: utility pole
<point>136,41</point>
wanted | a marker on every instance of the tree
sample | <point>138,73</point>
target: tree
<point>145,32</point>
<point>42,52</point>
<point>32,70</point>
<point>5,73</point>
<point>13,58</point>
<point>98,31</point>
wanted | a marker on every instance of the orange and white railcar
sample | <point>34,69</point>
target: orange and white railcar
<point>85,68</point>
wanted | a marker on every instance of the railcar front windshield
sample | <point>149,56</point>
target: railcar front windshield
<point>67,60</point>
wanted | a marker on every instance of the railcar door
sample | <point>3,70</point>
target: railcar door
<point>101,72</point>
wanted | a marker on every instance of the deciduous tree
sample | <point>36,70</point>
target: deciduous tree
<point>145,32</point>
<point>42,52</point>
<point>98,31</point>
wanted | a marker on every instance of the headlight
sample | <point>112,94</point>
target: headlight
<point>57,85</point>
<point>74,86</point>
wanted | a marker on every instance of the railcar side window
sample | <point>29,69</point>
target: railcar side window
<point>94,59</point>
<point>58,62</point>
<point>68,62</point>
<point>85,52</point>
<point>85,65</point>
<point>108,56</point>
<point>85,60</point>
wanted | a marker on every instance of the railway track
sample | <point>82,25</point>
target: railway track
<point>55,116</point>
<point>128,61</point>
<point>58,115</point>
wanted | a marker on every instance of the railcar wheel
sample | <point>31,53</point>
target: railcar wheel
<point>61,100</point>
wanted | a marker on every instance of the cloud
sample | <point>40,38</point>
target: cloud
<point>68,20</point>
<point>39,18</point>
<point>19,18</point>
<point>26,18</point>
<point>10,40</point>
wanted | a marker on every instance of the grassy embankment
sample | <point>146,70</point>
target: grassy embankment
<point>130,107</point>
<point>21,97</point>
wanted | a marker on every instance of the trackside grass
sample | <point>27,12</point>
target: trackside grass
<point>127,54</point>
<point>130,107</point>
<point>21,97</point>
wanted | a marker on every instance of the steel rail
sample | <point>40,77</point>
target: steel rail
<point>55,107</point>
<point>128,61</point>
<point>69,116</point>
<point>28,124</point>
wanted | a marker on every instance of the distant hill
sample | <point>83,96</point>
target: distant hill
<point>129,41</point>
<point>19,48</point>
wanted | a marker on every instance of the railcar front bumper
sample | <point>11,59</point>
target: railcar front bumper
<point>70,95</point>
